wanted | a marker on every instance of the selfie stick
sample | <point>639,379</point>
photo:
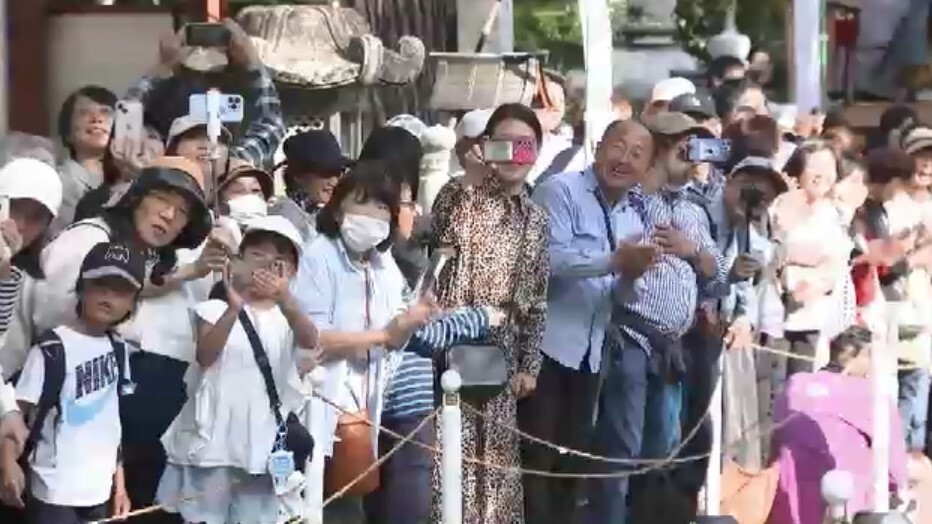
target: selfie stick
<point>214,128</point>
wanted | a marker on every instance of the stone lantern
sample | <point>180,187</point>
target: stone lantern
<point>730,42</point>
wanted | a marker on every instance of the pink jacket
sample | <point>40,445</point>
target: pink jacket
<point>830,429</point>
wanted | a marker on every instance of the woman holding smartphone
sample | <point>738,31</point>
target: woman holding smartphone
<point>816,248</point>
<point>30,196</point>
<point>499,237</point>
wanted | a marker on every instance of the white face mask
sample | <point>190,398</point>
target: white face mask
<point>361,233</point>
<point>247,207</point>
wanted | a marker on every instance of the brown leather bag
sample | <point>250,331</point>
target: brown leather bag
<point>747,495</point>
<point>353,454</point>
<point>353,447</point>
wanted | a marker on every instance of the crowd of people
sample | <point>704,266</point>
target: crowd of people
<point>163,303</point>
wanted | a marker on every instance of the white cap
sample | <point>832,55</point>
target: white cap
<point>32,179</point>
<point>279,225</point>
<point>409,123</point>
<point>473,124</point>
<point>185,123</point>
<point>670,88</point>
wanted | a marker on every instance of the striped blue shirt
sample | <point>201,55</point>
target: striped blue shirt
<point>662,308</point>
<point>410,392</point>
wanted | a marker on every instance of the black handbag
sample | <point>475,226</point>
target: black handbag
<point>298,439</point>
<point>483,367</point>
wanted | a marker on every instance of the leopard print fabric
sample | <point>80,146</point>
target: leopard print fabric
<point>501,246</point>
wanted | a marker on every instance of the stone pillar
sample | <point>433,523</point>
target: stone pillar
<point>656,11</point>
<point>471,16</point>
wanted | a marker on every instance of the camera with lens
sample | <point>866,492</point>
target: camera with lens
<point>752,200</point>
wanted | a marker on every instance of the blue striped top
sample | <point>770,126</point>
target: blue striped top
<point>410,392</point>
<point>664,305</point>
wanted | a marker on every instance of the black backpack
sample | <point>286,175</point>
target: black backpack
<point>53,356</point>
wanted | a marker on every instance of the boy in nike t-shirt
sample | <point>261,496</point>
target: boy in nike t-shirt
<point>73,459</point>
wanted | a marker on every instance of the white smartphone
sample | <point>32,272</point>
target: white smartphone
<point>497,151</point>
<point>128,125</point>
<point>4,208</point>
<point>230,111</point>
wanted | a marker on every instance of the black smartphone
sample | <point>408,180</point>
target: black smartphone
<point>206,35</point>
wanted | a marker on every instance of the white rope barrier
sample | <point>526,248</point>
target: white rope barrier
<point>451,478</point>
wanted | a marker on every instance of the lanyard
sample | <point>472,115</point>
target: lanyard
<point>609,230</point>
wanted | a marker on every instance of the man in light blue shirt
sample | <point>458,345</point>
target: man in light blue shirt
<point>593,243</point>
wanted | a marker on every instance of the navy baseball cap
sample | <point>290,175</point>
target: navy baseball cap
<point>109,259</point>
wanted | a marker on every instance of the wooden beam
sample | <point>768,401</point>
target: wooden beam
<point>215,9</point>
<point>28,60</point>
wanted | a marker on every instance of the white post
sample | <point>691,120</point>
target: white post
<point>807,56</point>
<point>314,470</point>
<point>595,18</point>
<point>837,487</point>
<point>881,375</point>
<point>713,478</point>
<point>451,480</point>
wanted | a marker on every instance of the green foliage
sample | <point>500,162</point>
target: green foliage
<point>697,20</point>
<point>551,25</point>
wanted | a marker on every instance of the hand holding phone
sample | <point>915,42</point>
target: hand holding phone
<point>206,35</point>
<point>128,129</point>
<point>230,110</point>
<point>519,151</point>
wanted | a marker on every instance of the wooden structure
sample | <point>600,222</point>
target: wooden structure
<point>842,27</point>
<point>29,42</point>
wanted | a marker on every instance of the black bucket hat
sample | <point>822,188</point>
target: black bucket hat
<point>183,177</point>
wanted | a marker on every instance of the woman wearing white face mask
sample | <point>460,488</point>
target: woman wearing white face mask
<point>349,285</point>
<point>245,192</point>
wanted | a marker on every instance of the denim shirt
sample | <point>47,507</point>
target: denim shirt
<point>332,290</point>
<point>581,279</point>
<point>743,298</point>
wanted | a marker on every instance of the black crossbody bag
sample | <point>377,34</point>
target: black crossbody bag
<point>298,439</point>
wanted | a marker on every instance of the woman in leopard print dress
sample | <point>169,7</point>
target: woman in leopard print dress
<point>500,237</point>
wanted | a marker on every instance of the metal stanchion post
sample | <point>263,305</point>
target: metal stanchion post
<point>837,488</point>
<point>451,480</point>
<point>881,375</point>
<point>314,470</point>
<point>713,479</point>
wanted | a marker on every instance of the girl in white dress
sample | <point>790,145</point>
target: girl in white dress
<point>218,447</point>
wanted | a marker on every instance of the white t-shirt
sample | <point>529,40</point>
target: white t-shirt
<point>227,421</point>
<point>76,457</point>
